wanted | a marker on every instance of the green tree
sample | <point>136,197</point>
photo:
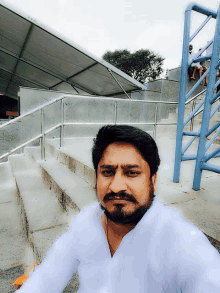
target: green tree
<point>142,65</point>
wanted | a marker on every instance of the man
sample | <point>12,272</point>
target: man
<point>129,241</point>
<point>194,66</point>
<point>202,69</point>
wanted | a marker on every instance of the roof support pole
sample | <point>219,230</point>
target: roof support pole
<point>118,82</point>
<point>75,89</point>
<point>21,53</point>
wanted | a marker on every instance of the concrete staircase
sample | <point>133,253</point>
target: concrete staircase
<point>39,199</point>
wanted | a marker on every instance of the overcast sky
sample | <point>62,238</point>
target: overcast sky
<point>101,25</point>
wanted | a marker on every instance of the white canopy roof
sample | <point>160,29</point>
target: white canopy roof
<point>33,55</point>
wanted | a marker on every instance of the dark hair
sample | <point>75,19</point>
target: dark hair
<point>140,139</point>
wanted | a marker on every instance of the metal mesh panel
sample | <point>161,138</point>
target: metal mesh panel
<point>19,132</point>
<point>79,110</point>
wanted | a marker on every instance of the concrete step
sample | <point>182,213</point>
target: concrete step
<point>58,176</point>
<point>35,200</point>
<point>188,108</point>
<point>77,194</point>
<point>8,276</point>
<point>13,246</point>
<point>76,155</point>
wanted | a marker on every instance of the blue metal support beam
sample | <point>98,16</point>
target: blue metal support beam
<point>194,111</point>
<point>201,26</point>
<point>214,154</point>
<point>188,145</point>
<point>191,133</point>
<point>215,97</point>
<point>212,140</point>
<point>213,129</point>
<point>209,156</point>
<point>185,98</point>
<point>197,84</point>
<point>182,96</point>
<point>202,148</point>
<point>210,167</point>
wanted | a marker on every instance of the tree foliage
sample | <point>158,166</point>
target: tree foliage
<point>142,65</point>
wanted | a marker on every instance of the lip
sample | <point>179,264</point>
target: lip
<point>120,199</point>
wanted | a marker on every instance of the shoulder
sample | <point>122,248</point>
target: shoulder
<point>185,240</point>
<point>86,216</point>
<point>171,220</point>
<point>179,233</point>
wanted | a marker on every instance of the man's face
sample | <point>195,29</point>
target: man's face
<point>124,187</point>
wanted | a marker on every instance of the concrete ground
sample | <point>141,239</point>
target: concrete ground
<point>198,207</point>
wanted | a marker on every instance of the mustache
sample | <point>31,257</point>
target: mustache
<point>121,195</point>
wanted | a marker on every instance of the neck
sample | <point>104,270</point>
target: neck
<point>119,229</point>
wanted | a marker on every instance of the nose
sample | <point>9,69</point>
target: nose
<point>118,183</point>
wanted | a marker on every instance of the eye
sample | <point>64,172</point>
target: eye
<point>132,173</point>
<point>108,173</point>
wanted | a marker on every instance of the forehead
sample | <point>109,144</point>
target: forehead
<point>122,153</point>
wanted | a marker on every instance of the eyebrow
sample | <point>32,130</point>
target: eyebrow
<point>126,166</point>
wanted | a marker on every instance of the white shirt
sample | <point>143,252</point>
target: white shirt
<point>192,56</point>
<point>163,253</point>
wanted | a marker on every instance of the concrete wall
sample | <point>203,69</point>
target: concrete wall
<point>31,98</point>
<point>161,90</point>
<point>76,110</point>
<point>3,121</point>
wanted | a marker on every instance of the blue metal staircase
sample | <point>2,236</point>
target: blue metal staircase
<point>203,132</point>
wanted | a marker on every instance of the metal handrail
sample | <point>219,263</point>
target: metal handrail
<point>81,97</point>
<point>118,123</point>
<point>196,96</point>
<point>19,118</point>
<point>62,124</point>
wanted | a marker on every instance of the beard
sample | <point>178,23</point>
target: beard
<point>120,217</point>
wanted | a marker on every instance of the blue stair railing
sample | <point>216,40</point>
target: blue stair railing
<point>203,132</point>
<point>211,97</point>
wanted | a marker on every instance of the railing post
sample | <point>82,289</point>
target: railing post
<point>155,121</point>
<point>192,120</point>
<point>43,137</point>
<point>182,97</point>
<point>194,105</point>
<point>62,120</point>
<point>115,113</point>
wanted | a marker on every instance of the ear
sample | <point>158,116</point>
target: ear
<point>95,181</point>
<point>154,179</point>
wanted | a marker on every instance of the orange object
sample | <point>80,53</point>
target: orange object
<point>12,113</point>
<point>20,280</point>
